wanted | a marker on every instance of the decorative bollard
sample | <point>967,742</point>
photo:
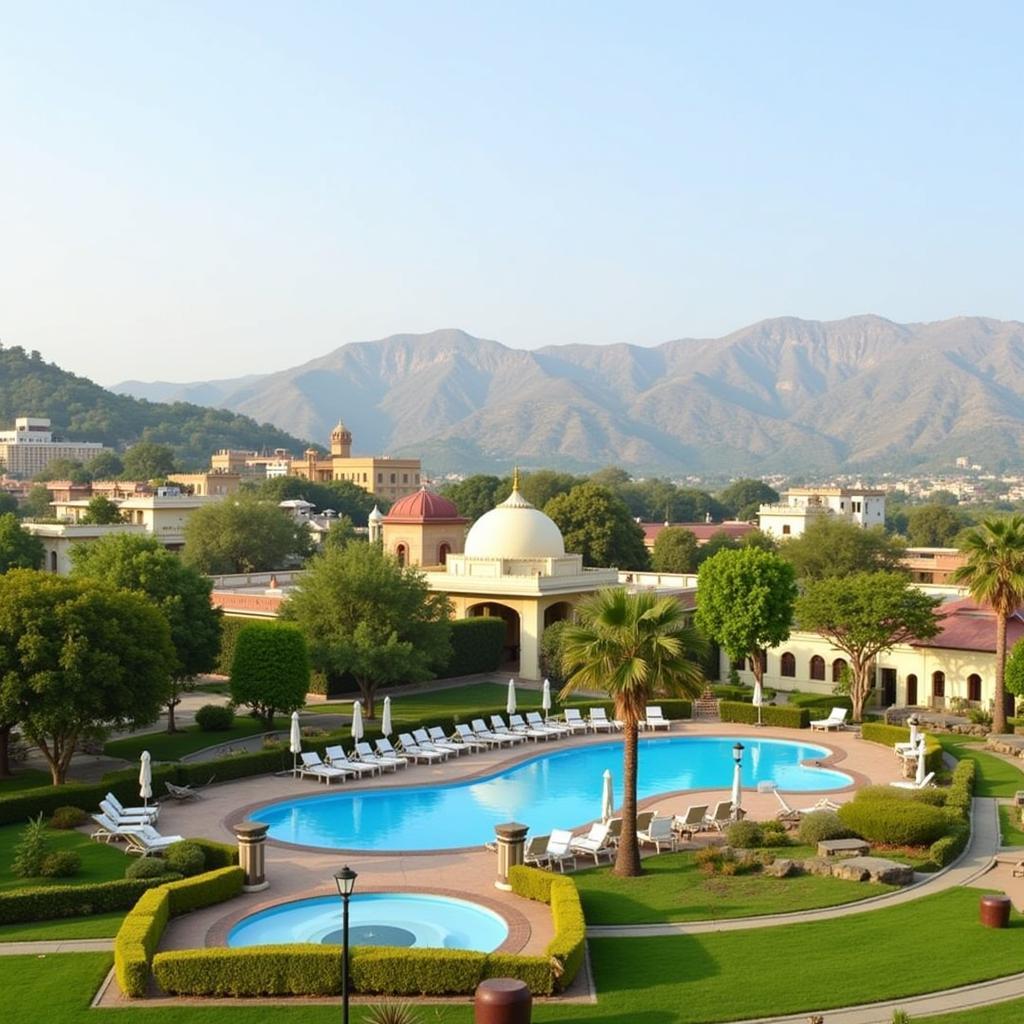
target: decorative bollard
<point>511,844</point>
<point>252,838</point>
<point>995,911</point>
<point>502,1001</point>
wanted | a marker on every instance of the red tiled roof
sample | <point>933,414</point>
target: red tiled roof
<point>967,626</point>
<point>423,506</point>
<point>702,531</point>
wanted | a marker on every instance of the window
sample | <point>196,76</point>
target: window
<point>938,684</point>
<point>392,477</point>
<point>402,554</point>
<point>911,690</point>
<point>818,667</point>
<point>974,687</point>
<point>785,529</point>
<point>53,561</point>
<point>442,553</point>
<point>405,478</point>
<point>380,478</point>
<point>788,665</point>
<point>837,669</point>
<point>417,478</point>
<point>855,505</point>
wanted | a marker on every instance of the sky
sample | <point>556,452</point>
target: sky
<point>198,190</point>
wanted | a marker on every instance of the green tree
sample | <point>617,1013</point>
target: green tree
<point>933,526</point>
<point>635,647</point>
<point>270,670</point>
<point>758,539</point>
<point>745,603</point>
<point>863,615</point>
<point>343,496</point>
<point>477,494</point>
<point>1014,673</point>
<point>37,503</point>
<point>8,503</point>
<point>148,460</point>
<point>105,466</point>
<point>744,497</point>
<point>718,541</point>
<point>943,497</point>
<point>340,533</point>
<point>77,659</point>
<point>832,547</point>
<point>675,550</point>
<point>994,574</point>
<point>243,534</point>
<point>64,469</point>
<point>366,615</point>
<point>597,525</point>
<point>18,548</point>
<point>612,477</point>
<point>101,511</point>
<point>182,594</point>
<point>539,487</point>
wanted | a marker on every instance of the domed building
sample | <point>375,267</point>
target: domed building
<point>421,529</point>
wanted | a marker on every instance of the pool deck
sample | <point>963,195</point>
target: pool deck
<point>297,872</point>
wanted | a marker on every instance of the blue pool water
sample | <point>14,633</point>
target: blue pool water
<point>556,789</point>
<point>376,919</point>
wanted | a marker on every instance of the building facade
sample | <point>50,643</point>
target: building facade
<point>801,506</point>
<point>30,447</point>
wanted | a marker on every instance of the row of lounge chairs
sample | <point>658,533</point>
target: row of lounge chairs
<point>132,825</point>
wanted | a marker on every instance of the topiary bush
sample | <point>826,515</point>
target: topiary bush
<point>895,822</point>
<point>477,644</point>
<point>185,858</point>
<point>147,867</point>
<point>270,669</point>
<point>820,826</point>
<point>745,835</point>
<point>60,864</point>
<point>215,717</point>
<point>68,817</point>
<point>787,717</point>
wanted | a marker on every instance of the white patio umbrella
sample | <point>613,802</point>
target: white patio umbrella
<point>737,790</point>
<point>145,778</point>
<point>510,704</point>
<point>758,699</point>
<point>607,796</point>
<point>295,741</point>
<point>545,698</point>
<point>385,720</point>
<point>357,720</point>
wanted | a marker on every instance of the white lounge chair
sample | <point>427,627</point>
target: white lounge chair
<point>643,820</point>
<point>658,833</point>
<point>516,724</point>
<point>720,817</point>
<point>691,821</point>
<point>534,720</point>
<point>559,848</point>
<point>596,843</point>
<point>152,812</point>
<point>383,753</point>
<point>600,722</point>
<point>835,720</point>
<point>122,819</point>
<point>655,719</point>
<point>146,841</point>
<point>574,721</point>
<point>904,749</point>
<point>337,758</point>
<point>481,731</point>
<point>536,851</point>
<point>436,735</point>
<point>108,830</point>
<point>789,813</point>
<point>499,728</point>
<point>927,781</point>
<point>464,735</point>
<point>422,738</point>
<point>314,768</point>
<point>410,748</point>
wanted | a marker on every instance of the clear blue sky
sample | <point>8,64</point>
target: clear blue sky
<point>191,190</point>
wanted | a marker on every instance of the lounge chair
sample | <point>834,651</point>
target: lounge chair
<point>559,848</point>
<point>187,792</point>
<point>836,720</point>
<point>123,819</point>
<point>927,781</point>
<point>516,724</point>
<point>596,843</point>
<point>536,851</point>
<point>108,830</point>
<point>655,719</point>
<point>499,728</point>
<point>481,731</point>
<point>337,758</point>
<point>534,720</point>
<point>464,735</point>
<point>313,767</point>
<point>147,841</point>
<point>436,735</point>
<point>152,813</point>
<point>721,817</point>
<point>574,721</point>
<point>422,738</point>
<point>370,756</point>
<point>658,833</point>
<point>691,821</point>
<point>599,721</point>
<point>643,820</point>
<point>410,748</point>
<point>787,812</point>
<point>614,831</point>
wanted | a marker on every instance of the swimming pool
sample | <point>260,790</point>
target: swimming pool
<point>376,919</point>
<point>556,789</point>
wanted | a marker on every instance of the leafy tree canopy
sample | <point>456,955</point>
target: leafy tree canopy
<point>270,669</point>
<point>18,548</point>
<point>105,466</point>
<point>340,534</point>
<point>933,526</point>
<point>8,503</point>
<point>148,460</point>
<point>744,497</point>
<point>37,503</point>
<point>101,511</point>
<point>832,547</point>
<point>64,469</point>
<point>597,525</point>
<point>345,497</point>
<point>477,494</point>
<point>718,541</point>
<point>675,550</point>
<point>539,487</point>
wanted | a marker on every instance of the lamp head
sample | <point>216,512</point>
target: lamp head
<point>345,879</point>
<point>737,752</point>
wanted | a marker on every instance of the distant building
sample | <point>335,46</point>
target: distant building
<point>933,565</point>
<point>803,505</point>
<point>29,448</point>
<point>734,530</point>
<point>213,484</point>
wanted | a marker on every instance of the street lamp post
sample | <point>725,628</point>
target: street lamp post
<point>737,782</point>
<point>345,879</point>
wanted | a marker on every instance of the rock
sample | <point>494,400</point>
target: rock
<point>843,848</point>
<point>818,866</point>
<point>873,869</point>
<point>850,870</point>
<point>783,868</point>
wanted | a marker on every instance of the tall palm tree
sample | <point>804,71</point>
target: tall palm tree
<point>635,647</point>
<point>994,574</point>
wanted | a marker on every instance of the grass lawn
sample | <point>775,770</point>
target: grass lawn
<point>461,700</point>
<point>996,777</point>
<point>164,746</point>
<point>1009,818</point>
<point>100,862</point>
<point>98,926</point>
<point>1010,1012</point>
<point>27,778</point>
<point>674,889</point>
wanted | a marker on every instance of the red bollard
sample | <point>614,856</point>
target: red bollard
<point>502,1001</point>
<point>995,911</point>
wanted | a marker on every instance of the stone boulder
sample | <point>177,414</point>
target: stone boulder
<point>783,867</point>
<point>873,869</point>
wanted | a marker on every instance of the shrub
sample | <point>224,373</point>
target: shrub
<point>68,817</point>
<point>230,627</point>
<point>216,855</point>
<point>787,717</point>
<point>60,864</point>
<point>672,708</point>
<point>270,669</point>
<point>137,939</point>
<point>889,735</point>
<point>476,645</point>
<point>819,826</point>
<point>393,1012</point>
<point>145,867</point>
<point>946,850</point>
<point>215,717</point>
<point>31,849</point>
<point>294,969</point>
<point>205,890</point>
<point>745,835</point>
<point>773,833</point>
<point>428,972</point>
<point>185,858</point>
<point>894,822</point>
<point>47,903</point>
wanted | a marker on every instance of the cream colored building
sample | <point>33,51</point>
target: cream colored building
<point>29,448</point>
<point>801,506</point>
<point>58,539</point>
<point>421,529</point>
<point>215,484</point>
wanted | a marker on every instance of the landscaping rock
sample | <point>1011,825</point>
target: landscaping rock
<point>873,869</point>
<point>851,870</point>
<point>843,848</point>
<point>818,866</point>
<point>783,867</point>
<point>1006,743</point>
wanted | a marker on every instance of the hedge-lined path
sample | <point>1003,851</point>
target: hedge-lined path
<point>56,946</point>
<point>971,869</point>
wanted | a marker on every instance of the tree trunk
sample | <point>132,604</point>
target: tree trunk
<point>5,751</point>
<point>368,690</point>
<point>627,861</point>
<point>171,705</point>
<point>999,711</point>
<point>757,666</point>
<point>859,690</point>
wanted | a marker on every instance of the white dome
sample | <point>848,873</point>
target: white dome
<point>515,529</point>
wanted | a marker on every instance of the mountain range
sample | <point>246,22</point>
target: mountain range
<point>785,395</point>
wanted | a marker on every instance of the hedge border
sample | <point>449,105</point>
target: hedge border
<point>771,714</point>
<point>889,735</point>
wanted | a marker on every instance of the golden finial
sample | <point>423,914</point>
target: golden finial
<point>515,479</point>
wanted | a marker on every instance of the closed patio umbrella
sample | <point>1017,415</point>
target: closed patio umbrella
<point>510,704</point>
<point>385,721</point>
<point>295,741</point>
<point>758,699</point>
<point>145,778</point>
<point>357,720</point>
<point>607,797</point>
<point>545,698</point>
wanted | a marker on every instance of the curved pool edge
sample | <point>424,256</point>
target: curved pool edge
<point>519,930</point>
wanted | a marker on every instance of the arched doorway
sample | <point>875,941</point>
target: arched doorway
<point>557,613</point>
<point>510,655</point>
<point>402,554</point>
<point>974,687</point>
<point>939,689</point>
<point>443,552</point>
<point>912,690</point>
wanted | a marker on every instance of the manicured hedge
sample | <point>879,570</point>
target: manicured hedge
<point>890,735</point>
<point>787,717</point>
<point>204,890</point>
<point>218,855</point>
<point>286,970</point>
<point>46,903</point>
<point>230,627</point>
<point>743,694</point>
<point>820,700</point>
<point>394,971</point>
<point>477,644</point>
<point>895,822</point>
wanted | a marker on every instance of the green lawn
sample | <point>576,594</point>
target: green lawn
<point>1009,825</point>
<point>674,889</point>
<point>996,777</point>
<point>100,862</point>
<point>1011,1012</point>
<point>98,926</point>
<point>461,700</point>
<point>26,778</point>
<point>164,746</point>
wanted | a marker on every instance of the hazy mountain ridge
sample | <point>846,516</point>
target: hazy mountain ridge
<point>783,394</point>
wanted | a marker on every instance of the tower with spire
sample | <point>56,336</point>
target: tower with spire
<point>341,441</point>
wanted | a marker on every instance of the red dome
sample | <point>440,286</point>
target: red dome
<point>423,506</point>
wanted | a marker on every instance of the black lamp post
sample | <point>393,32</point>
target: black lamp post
<point>737,752</point>
<point>345,879</point>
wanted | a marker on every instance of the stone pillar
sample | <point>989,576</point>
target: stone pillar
<point>252,838</point>
<point>511,844</point>
<point>531,626</point>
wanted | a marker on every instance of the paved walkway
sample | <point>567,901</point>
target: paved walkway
<point>56,946</point>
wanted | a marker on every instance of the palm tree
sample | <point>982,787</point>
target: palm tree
<point>994,575</point>
<point>635,647</point>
